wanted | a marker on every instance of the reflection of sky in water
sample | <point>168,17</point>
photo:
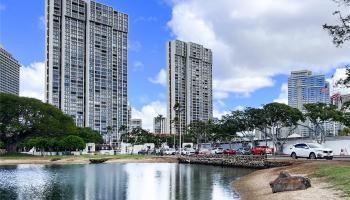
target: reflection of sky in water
<point>26,181</point>
<point>132,181</point>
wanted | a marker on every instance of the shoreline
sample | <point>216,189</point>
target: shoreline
<point>85,160</point>
<point>256,185</point>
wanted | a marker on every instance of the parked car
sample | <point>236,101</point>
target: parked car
<point>188,151</point>
<point>203,151</point>
<point>229,151</point>
<point>169,151</point>
<point>311,151</point>
<point>217,150</point>
<point>243,151</point>
<point>143,152</point>
<point>261,150</point>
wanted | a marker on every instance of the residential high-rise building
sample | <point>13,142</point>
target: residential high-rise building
<point>160,125</point>
<point>135,123</point>
<point>304,87</point>
<point>86,62</point>
<point>129,117</point>
<point>189,84</point>
<point>9,73</point>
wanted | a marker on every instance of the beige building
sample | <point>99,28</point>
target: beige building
<point>9,73</point>
<point>189,84</point>
<point>86,62</point>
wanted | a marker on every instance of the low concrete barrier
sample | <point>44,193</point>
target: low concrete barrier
<point>245,161</point>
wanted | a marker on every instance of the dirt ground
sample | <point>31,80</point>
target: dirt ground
<point>255,186</point>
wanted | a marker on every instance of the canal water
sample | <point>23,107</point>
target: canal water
<point>130,181</point>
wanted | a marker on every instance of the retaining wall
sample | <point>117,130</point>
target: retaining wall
<point>244,161</point>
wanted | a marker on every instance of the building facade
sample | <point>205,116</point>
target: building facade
<point>304,87</point>
<point>339,100</point>
<point>160,125</point>
<point>129,117</point>
<point>86,62</point>
<point>189,84</point>
<point>135,123</point>
<point>9,73</point>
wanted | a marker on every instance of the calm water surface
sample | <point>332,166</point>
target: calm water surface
<point>132,181</point>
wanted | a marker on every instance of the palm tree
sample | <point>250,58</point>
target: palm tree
<point>109,131</point>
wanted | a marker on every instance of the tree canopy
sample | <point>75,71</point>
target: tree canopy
<point>23,118</point>
<point>340,32</point>
<point>319,115</point>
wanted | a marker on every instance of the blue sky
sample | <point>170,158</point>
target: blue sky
<point>255,46</point>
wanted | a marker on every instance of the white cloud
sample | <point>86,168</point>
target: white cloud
<point>219,113</point>
<point>148,112</point>
<point>160,78</point>
<point>32,80</point>
<point>339,74</point>
<point>146,19</point>
<point>42,22</point>
<point>138,66</point>
<point>220,94</point>
<point>134,45</point>
<point>283,97</point>
<point>252,41</point>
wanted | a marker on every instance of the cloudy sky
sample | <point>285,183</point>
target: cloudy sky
<point>255,45</point>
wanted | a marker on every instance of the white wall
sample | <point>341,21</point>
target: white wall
<point>334,143</point>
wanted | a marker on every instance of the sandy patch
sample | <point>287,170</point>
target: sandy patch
<point>256,185</point>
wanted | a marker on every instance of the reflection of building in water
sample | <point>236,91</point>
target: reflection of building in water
<point>99,185</point>
<point>132,181</point>
<point>149,181</point>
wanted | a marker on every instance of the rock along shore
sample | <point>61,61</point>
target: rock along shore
<point>244,161</point>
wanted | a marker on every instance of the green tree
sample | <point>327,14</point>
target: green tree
<point>279,116</point>
<point>340,32</point>
<point>2,145</point>
<point>272,119</point>
<point>196,131</point>
<point>240,121</point>
<point>89,135</point>
<point>319,114</point>
<point>73,143</point>
<point>344,132</point>
<point>22,117</point>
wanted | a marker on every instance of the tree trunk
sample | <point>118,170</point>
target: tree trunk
<point>12,147</point>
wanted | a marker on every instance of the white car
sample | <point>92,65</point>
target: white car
<point>311,151</point>
<point>188,151</point>
<point>204,151</point>
<point>217,150</point>
<point>169,151</point>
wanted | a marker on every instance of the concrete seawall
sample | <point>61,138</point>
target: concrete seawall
<point>244,161</point>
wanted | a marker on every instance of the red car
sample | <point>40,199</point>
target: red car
<point>261,150</point>
<point>229,151</point>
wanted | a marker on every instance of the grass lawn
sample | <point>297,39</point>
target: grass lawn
<point>19,156</point>
<point>338,175</point>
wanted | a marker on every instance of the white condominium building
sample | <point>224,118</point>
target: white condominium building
<point>160,125</point>
<point>189,84</point>
<point>9,73</point>
<point>86,62</point>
